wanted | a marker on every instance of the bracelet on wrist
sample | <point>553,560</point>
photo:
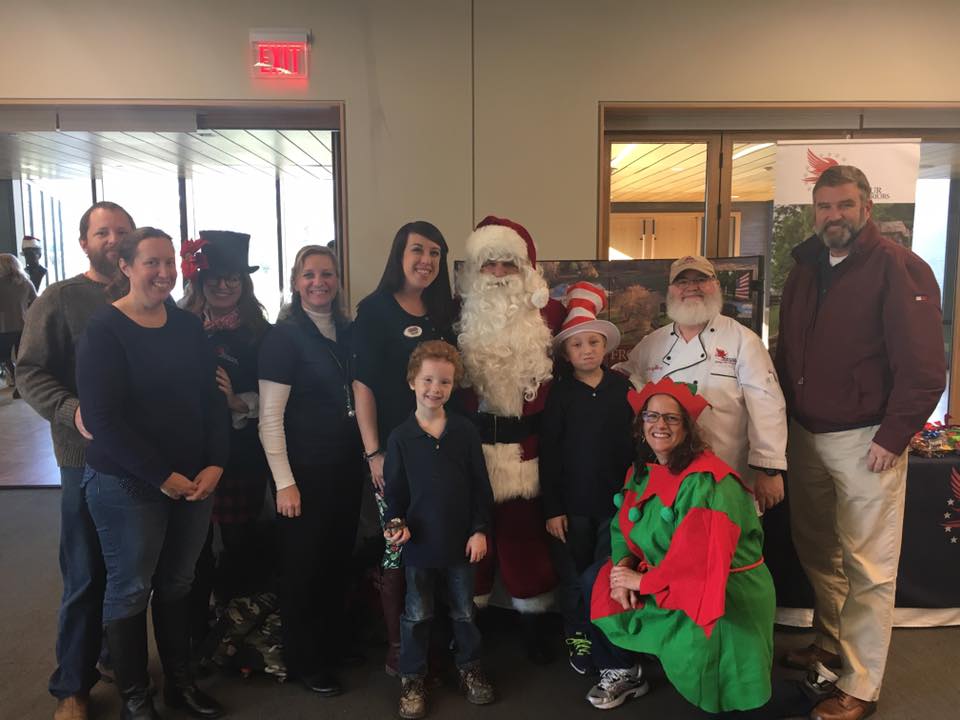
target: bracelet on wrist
<point>371,455</point>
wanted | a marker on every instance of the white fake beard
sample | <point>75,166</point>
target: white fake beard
<point>692,311</point>
<point>505,341</point>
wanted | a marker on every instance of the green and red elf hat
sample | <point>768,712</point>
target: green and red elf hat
<point>681,392</point>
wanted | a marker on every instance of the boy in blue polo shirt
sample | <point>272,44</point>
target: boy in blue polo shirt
<point>438,506</point>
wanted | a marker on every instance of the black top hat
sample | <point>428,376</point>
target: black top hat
<point>226,252</point>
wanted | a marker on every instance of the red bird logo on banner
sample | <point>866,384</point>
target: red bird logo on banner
<point>816,165</point>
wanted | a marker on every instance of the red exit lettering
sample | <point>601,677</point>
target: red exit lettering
<point>280,60</point>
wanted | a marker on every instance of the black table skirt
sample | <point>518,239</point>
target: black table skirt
<point>929,575</point>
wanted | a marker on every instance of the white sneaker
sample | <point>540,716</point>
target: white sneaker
<point>616,686</point>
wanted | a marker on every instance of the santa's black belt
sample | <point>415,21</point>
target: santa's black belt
<point>499,429</point>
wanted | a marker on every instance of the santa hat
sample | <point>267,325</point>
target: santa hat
<point>681,392</point>
<point>584,301</point>
<point>499,239</point>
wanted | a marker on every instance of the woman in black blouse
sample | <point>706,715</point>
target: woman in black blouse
<point>309,432</point>
<point>411,304</point>
<point>159,444</point>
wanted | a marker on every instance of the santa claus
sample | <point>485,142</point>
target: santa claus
<point>506,325</point>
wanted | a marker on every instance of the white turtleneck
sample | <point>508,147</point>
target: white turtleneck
<point>323,321</point>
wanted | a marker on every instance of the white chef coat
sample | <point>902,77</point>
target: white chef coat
<point>746,423</point>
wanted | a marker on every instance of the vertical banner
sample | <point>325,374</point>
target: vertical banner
<point>891,166</point>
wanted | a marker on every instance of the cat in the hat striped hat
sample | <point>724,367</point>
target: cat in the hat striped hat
<point>584,302</point>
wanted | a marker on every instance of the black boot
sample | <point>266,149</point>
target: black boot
<point>127,641</point>
<point>171,626</point>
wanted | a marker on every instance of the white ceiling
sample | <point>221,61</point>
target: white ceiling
<point>74,154</point>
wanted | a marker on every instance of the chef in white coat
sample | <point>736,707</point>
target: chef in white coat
<point>746,423</point>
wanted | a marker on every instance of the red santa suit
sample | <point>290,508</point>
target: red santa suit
<point>505,334</point>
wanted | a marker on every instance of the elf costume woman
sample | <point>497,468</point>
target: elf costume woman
<point>686,581</point>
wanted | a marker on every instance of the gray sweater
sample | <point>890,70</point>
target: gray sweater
<point>46,363</point>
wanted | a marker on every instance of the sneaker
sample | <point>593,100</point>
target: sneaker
<point>820,682</point>
<point>413,698</point>
<point>475,684</point>
<point>616,686</point>
<point>581,657</point>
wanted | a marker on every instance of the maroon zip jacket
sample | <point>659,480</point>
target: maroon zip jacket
<point>873,353</point>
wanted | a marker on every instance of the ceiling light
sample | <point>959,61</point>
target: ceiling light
<point>677,169</point>
<point>743,152</point>
<point>622,155</point>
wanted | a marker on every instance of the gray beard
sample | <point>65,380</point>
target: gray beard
<point>694,313</point>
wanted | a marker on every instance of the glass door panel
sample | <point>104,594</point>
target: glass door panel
<point>658,193</point>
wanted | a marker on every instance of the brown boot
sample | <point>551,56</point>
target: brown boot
<point>843,707</point>
<point>71,708</point>
<point>413,698</point>
<point>806,657</point>
<point>391,598</point>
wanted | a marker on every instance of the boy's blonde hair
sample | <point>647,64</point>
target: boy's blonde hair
<point>435,350</point>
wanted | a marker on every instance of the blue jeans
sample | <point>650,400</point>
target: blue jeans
<point>606,655</point>
<point>149,541</point>
<point>79,626</point>
<point>418,613</point>
<point>588,540</point>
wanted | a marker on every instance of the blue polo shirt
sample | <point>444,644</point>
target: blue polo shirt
<point>439,486</point>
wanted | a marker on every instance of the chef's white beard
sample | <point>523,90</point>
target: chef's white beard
<point>505,342</point>
<point>694,311</point>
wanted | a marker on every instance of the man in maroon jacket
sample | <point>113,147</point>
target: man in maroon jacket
<point>861,360</point>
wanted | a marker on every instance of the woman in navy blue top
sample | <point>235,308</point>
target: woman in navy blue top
<point>412,304</point>
<point>309,432</point>
<point>159,443</point>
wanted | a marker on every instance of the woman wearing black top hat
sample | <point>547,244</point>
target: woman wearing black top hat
<point>220,292</point>
<point>309,432</point>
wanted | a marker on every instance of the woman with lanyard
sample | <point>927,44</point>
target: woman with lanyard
<point>159,442</point>
<point>220,292</point>
<point>411,304</point>
<point>309,432</point>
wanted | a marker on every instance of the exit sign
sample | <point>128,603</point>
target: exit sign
<point>279,54</point>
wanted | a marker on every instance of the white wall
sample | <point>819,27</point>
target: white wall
<point>539,70</point>
<point>401,68</point>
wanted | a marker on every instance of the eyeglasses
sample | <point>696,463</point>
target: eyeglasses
<point>684,283</point>
<point>231,281</point>
<point>669,418</point>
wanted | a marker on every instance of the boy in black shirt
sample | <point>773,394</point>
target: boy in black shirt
<point>586,446</point>
<point>438,506</point>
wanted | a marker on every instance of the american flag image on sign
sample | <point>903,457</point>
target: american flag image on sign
<point>743,287</point>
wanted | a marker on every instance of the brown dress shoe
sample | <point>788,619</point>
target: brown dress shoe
<point>807,657</point>
<point>71,708</point>
<point>843,707</point>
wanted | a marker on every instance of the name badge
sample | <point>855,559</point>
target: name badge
<point>413,331</point>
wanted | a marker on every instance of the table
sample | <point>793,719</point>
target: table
<point>928,586</point>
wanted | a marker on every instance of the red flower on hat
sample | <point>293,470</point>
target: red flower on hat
<point>193,260</point>
<point>681,392</point>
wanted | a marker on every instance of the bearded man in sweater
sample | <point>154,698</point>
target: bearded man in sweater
<point>46,379</point>
<point>861,362</point>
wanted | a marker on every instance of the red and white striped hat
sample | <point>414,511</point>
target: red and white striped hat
<point>584,302</point>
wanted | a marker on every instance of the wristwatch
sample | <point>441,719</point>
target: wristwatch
<point>769,472</point>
